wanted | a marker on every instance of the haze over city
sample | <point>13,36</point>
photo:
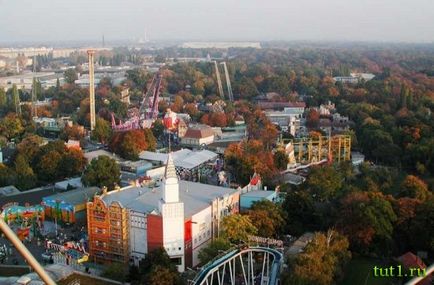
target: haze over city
<point>368,20</point>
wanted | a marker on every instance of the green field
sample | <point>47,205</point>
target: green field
<point>360,272</point>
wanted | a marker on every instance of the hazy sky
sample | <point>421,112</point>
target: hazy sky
<point>360,20</point>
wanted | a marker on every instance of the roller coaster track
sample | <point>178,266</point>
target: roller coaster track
<point>239,267</point>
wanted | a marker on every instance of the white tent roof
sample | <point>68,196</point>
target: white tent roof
<point>184,158</point>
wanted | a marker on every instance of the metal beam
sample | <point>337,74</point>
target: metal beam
<point>25,253</point>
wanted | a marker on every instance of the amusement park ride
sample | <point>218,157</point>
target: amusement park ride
<point>305,152</point>
<point>147,113</point>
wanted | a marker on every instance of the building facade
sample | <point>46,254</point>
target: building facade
<point>180,216</point>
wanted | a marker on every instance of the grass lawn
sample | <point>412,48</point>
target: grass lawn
<point>360,272</point>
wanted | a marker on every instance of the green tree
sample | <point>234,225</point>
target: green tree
<point>102,131</point>
<point>300,211</point>
<point>7,176</point>
<point>365,216</point>
<point>214,248</point>
<point>324,182</point>
<point>115,271</point>
<point>3,99</point>
<point>156,268</point>
<point>70,76</point>
<point>25,178</point>
<point>322,260</point>
<point>102,171</point>
<point>16,99</point>
<point>280,159</point>
<point>237,228</point>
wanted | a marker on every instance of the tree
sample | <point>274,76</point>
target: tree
<point>157,268</point>
<point>70,76</point>
<point>312,118</point>
<point>16,99</point>
<point>25,178</point>
<point>30,146</point>
<point>365,216</point>
<point>324,182</point>
<point>422,227</point>
<point>102,131</point>
<point>115,271</point>
<point>102,171</point>
<point>161,275</point>
<point>322,261</point>
<point>72,163</point>
<point>3,99</point>
<point>414,187</point>
<point>280,159</point>
<point>237,228</point>
<point>214,248</point>
<point>7,176</point>
<point>48,166</point>
<point>300,212</point>
<point>130,143</point>
<point>267,217</point>
<point>11,126</point>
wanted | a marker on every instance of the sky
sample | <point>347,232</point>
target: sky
<point>253,20</point>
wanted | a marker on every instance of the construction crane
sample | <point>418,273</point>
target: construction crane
<point>219,81</point>
<point>228,82</point>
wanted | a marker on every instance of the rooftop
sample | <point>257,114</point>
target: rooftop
<point>184,158</point>
<point>199,131</point>
<point>96,153</point>
<point>258,194</point>
<point>196,196</point>
<point>74,197</point>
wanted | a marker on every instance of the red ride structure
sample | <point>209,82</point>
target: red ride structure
<point>148,111</point>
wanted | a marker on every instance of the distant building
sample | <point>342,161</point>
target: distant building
<point>221,45</point>
<point>198,135</point>
<point>354,78</point>
<point>180,216</point>
<point>25,81</point>
<point>291,107</point>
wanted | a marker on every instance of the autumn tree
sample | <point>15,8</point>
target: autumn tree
<point>11,126</point>
<point>322,261</point>
<point>312,118</point>
<point>30,146</point>
<point>366,216</point>
<point>237,228</point>
<point>130,143</point>
<point>414,187</point>
<point>102,171</point>
<point>267,217</point>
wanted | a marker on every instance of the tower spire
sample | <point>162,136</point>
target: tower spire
<point>170,168</point>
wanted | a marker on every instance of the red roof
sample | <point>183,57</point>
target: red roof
<point>255,180</point>
<point>199,133</point>
<point>410,260</point>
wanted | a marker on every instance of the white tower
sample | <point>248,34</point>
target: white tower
<point>172,212</point>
